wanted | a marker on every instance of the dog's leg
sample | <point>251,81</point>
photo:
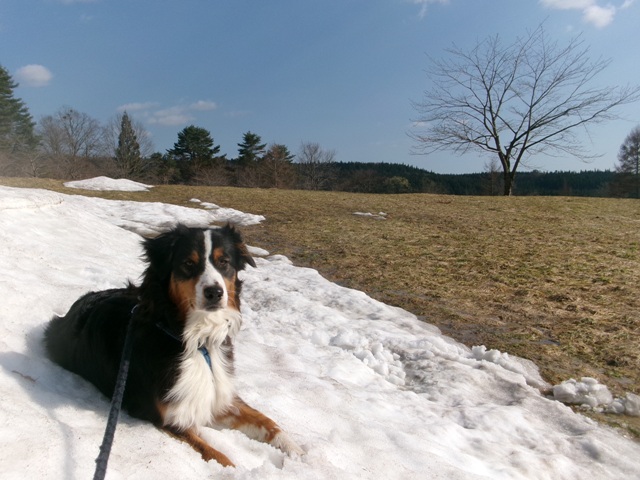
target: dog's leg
<point>257,426</point>
<point>199,445</point>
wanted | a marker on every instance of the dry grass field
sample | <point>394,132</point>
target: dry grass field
<point>552,279</point>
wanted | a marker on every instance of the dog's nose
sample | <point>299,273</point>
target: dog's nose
<point>213,293</point>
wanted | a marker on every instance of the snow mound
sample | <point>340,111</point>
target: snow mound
<point>106,183</point>
<point>591,394</point>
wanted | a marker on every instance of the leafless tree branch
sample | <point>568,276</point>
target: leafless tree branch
<point>514,101</point>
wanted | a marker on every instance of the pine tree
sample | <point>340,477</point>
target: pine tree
<point>128,158</point>
<point>250,150</point>
<point>628,168</point>
<point>17,133</point>
<point>194,151</point>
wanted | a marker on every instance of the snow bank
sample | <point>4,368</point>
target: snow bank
<point>106,183</point>
<point>369,391</point>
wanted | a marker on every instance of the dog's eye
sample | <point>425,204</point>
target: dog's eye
<point>222,262</point>
<point>188,263</point>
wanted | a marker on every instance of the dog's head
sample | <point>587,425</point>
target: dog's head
<point>198,267</point>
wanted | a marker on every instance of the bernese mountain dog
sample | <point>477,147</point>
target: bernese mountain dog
<point>187,312</point>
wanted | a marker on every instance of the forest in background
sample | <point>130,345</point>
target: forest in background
<point>396,178</point>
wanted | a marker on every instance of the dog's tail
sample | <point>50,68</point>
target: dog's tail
<point>62,334</point>
<point>91,325</point>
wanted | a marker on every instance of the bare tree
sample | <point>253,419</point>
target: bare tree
<point>514,101</point>
<point>316,167</point>
<point>492,169</point>
<point>71,138</point>
<point>24,164</point>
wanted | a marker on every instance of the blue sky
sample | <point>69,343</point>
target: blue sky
<point>341,73</point>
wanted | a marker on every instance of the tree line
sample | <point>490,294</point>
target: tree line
<point>70,144</point>
<point>398,178</point>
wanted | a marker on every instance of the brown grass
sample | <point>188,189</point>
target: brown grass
<point>552,279</point>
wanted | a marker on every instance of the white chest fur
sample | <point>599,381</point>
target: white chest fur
<point>200,393</point>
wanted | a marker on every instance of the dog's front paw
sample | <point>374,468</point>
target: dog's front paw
<point>288,446</point>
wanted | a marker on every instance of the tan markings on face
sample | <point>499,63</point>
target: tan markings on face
<point>218,253</point>
<point>183,294</point>
<point>183,291</point>
<point>231,290</point>
<point>230,283</point>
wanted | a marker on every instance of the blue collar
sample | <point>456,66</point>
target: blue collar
<point>203,350</point>
<point>205,353</point>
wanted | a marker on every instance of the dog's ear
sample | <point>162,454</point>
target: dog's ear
<point>159,250</point>
<point>244,257</point>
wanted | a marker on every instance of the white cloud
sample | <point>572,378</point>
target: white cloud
<point>176,115</point>
<point>568,4</point>
<point>137,106</point>
<point>34,75</point>
<point>203,105</point>
<point>598,16</point>
<point>425,3</point>
<point>171,117</point>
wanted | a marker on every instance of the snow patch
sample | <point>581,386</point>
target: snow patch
<point>375,216</point>
<point>106,183</point>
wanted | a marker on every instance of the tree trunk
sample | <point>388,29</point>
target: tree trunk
<point>508,183</point>
<point>637,165</point>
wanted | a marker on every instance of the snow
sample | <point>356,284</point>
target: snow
<point>375,216</point>
<point>369,391</point>
<point>593,395</point>
<point>106,183</point>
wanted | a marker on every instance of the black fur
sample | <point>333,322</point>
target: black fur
<point>89,339</point>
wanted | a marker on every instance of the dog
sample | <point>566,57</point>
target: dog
<point>187,312</point>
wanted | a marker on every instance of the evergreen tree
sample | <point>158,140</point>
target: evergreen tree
<point>194,151</point>
<point>250,150</point>
<point>276,167</point>
<point>128,158</point>
<point>164,169</point>
<point>628,168</point>
<point>17,134</point>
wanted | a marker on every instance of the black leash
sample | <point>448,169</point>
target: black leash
<point>116,402</point>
